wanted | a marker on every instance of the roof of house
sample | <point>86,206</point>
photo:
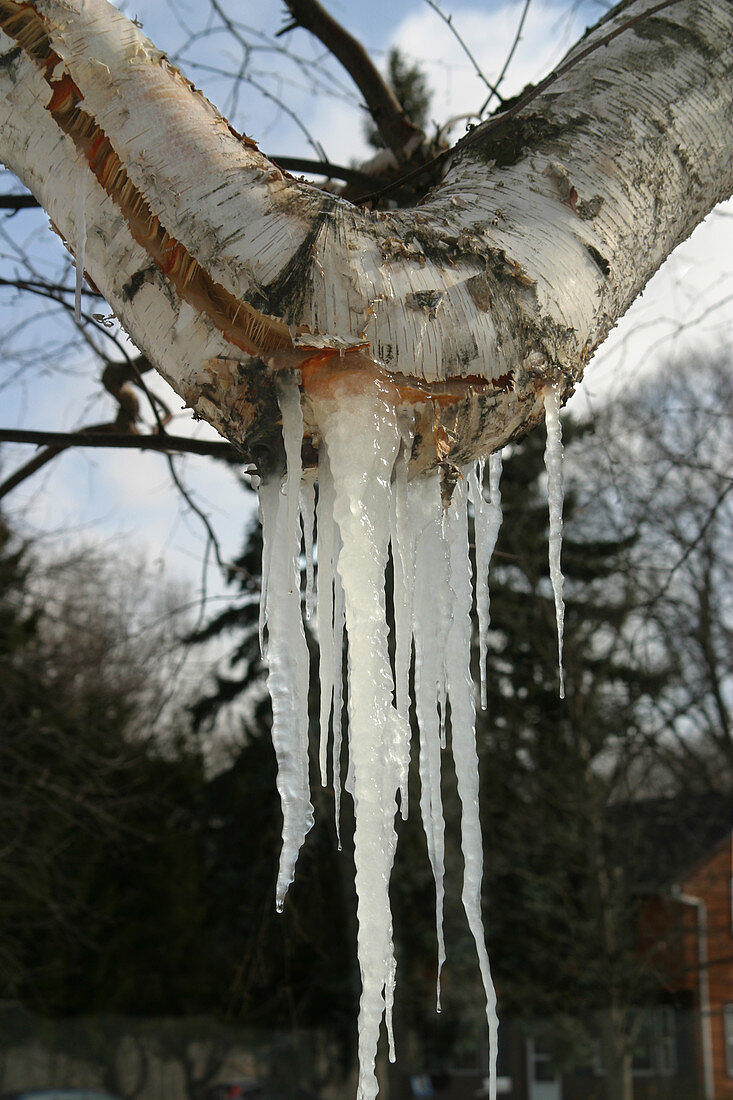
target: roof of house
<point>664,839</point>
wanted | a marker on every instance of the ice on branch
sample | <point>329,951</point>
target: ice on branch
<point>487,521</point>
<point>80,244</point>
<point>553,464</point>
<point>371,522</point>
<point>286,648</point>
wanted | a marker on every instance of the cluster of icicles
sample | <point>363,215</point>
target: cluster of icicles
<point>365,506</point>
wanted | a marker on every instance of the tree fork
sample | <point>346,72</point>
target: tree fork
<point>226,271</point>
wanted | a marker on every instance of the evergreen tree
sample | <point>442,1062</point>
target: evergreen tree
<point>561,913</point>
<point>411,88</point>
<point>296,969</point>
<point>100,902</point>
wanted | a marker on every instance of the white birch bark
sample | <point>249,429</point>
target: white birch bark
<point>224,270</point>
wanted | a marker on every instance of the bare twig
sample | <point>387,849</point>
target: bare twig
<point>212,542</point>
<point>28,469</point>
<point>44,289</point>
<point>507,61</point>
<point>693,543</point>
<point>398,132</point>
<point>448,20</point>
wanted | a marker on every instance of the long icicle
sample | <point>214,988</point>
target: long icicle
<point>80,230</point>
<point>487,522</point>
<point>553,464</point>
<point>430,628</point>
<point>307,502</point>
<point>287,651</point>
<point>324,607</point>
<point>403,565</point>
<point>463,739</point>
<point>339,622</point>
<point>361,462</point>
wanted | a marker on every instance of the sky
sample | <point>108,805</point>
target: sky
<point>125,499</point>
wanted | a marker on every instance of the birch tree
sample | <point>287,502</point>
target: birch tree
<point>302,324</point>
<point>545,222</point>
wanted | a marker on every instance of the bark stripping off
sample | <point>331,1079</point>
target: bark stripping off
<point>225,270</point>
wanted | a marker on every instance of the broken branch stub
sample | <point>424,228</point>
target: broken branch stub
<point>227,272</point>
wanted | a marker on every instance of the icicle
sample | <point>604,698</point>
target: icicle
<point>553,463</point>
<point>287,652</point>
<point>389,1007</point>
<point>80,230</point>
<point>430,626</point>
<point>403,564</point>
<point>307,502</point>
<point>364,505</point>
<point>487,521</point>
<point>324,607</point>
<point>360,434</point>
<point>463,739</point>
<point>441,700</point>
<point>267,517</point>
<point>339,620</point>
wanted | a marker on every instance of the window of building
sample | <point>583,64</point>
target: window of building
<point>666,1051</point>
<point>655,1048</point>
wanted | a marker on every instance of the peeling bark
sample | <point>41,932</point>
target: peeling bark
<point>225,270</point>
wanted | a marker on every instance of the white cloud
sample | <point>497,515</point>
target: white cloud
<point>423,36</point>
<point>547,34</point>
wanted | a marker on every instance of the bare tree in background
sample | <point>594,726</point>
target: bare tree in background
<point>660,468</point>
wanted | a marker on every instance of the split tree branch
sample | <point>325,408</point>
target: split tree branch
<point>399,133</point>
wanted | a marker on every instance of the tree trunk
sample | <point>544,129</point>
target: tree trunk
<point>616,1055</point>
<point>224,270</point>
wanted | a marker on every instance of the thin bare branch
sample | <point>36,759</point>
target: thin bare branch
<point>448,20</point>
<point>325,168</point>
<point>212,542</point>
<point>28,469</point>
<point>104,435</point>
<point>507,62</point>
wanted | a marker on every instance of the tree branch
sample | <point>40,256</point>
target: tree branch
<point>18,202</point>
<point>106,435</point>
<point>399,134</point>
<point>325,168</point>
<point>28,469</point>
